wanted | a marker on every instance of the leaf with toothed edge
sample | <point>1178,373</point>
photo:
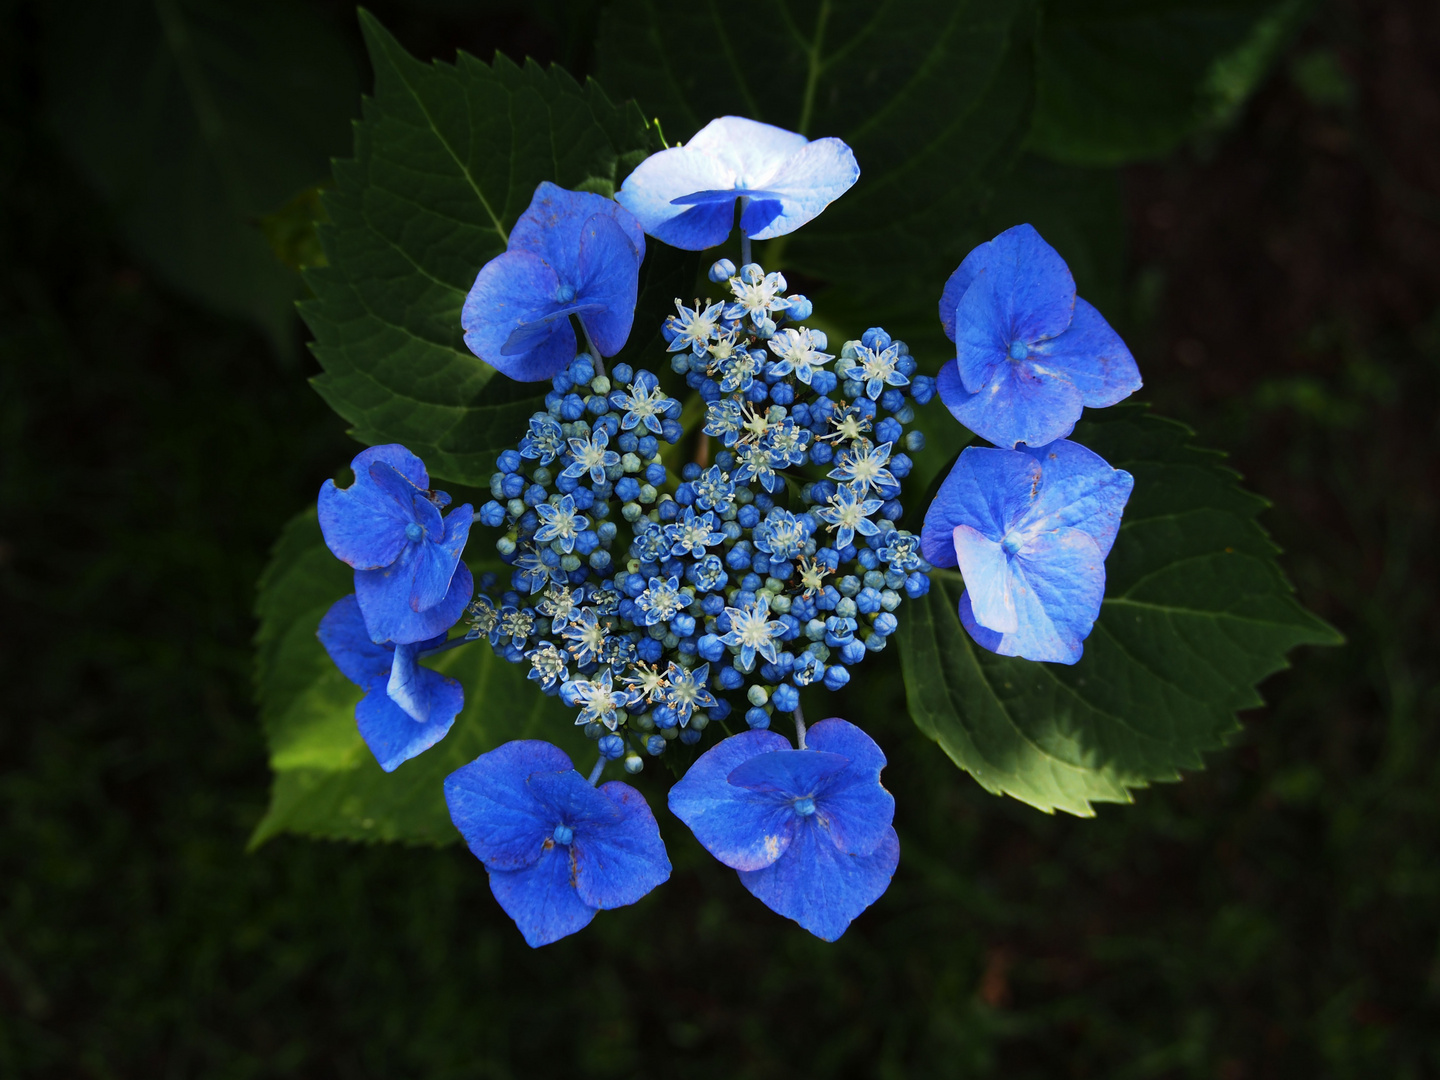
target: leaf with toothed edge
<point>446,159</point>
<point>1196,613</point>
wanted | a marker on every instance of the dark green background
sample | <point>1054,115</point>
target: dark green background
<point>1273,916</point>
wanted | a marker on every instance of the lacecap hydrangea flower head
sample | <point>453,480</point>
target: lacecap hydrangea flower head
<point>671,597</point>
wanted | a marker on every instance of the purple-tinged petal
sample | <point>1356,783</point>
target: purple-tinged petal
<point>1017,406</point>
<point>1078,489</point>
<point>987,490</point>
<point>342,631</point>
<point>1059,585</point>
<point>852,805</point>
<point>384,597</point>
<point>392,735</point>
<point>618,862</point>
<point>790,774</point>
<point>808,181</point>
<point>493,806</point>
<point>742,829</point>
<point>988,581</point>
<point>1091,355</point>
<point>511,291</point>
<point>364,524</point>
<point>819,886</point>
<point>608,277</point>
<point>551,227</point>
<point>541,898</point>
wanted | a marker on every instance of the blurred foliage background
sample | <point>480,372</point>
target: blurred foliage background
<point>1277,915</point>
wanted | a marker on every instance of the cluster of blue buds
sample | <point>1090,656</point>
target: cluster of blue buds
<point>655,602</point>
<point>671,569</point>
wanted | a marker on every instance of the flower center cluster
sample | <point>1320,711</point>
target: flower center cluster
<point>653,601</point>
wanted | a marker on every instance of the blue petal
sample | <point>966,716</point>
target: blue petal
<point>618,862</point>
<point>1016,406</point>
<point>541,898</point>
<point>436,558</point>
<point>807,182</point>
<point>959,281</point>
<point>384,597</point>
<point>741,828</point>
<point>1023,292</point>
<point>513,290</point>
<point>1059,583</point>
<point>752,152</point>
<point>1091,355</point>
<point>572,800</point>
<point>552,224</point>
<point>852,805</point>
<point>342,631</point>
<point>1078,489</point>
<point>493,806</point>
<point>987,490</point>
<point>988,580</point>
<point>819,886</point>
<point>648,193</point>
<point>529,335</point>
<point>364,524</point>
<point>787,773</point>
<point>392,735</point>
<point>416,689</point>
<point>609,279</point>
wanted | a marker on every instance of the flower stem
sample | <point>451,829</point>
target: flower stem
<point>594,352</point>
<point>799,728</point>
<point>453,643</point>
<point>597,770</point>
<point>744,236</point>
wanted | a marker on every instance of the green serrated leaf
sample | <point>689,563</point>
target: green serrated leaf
<point>446,159</point>
<point>327,783</point>
<point>1122,80</point>
<point>212,113</point>
<point>934,117</point>
<point>1196,613</point>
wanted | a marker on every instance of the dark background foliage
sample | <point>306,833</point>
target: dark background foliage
<point>1273,916</point>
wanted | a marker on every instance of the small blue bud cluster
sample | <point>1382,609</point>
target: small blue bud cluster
<point>775,567</point>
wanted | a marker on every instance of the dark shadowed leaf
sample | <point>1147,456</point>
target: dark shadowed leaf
<point>1196,613</point>
<point>1121,80</point>
<point>933,117</point>
<point>193,118</point>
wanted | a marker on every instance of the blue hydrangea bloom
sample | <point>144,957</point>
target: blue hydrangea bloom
<point>1030,354</point>
<point>1029,530</point>
<point>409,578</point>
<point>809,830</point>
<point>406,708</point>
<point>557,850</point>
<point>570,253</point>
<point>686,195</point>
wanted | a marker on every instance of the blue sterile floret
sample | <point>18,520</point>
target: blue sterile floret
<point>557,850</point>
<point>1029,530</point>
<point>686,195</point>
<point>809,830</point>
<point>388,525</point>
<point>1030,354</point>
<point>406,708</point>
<point>570,253</point>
